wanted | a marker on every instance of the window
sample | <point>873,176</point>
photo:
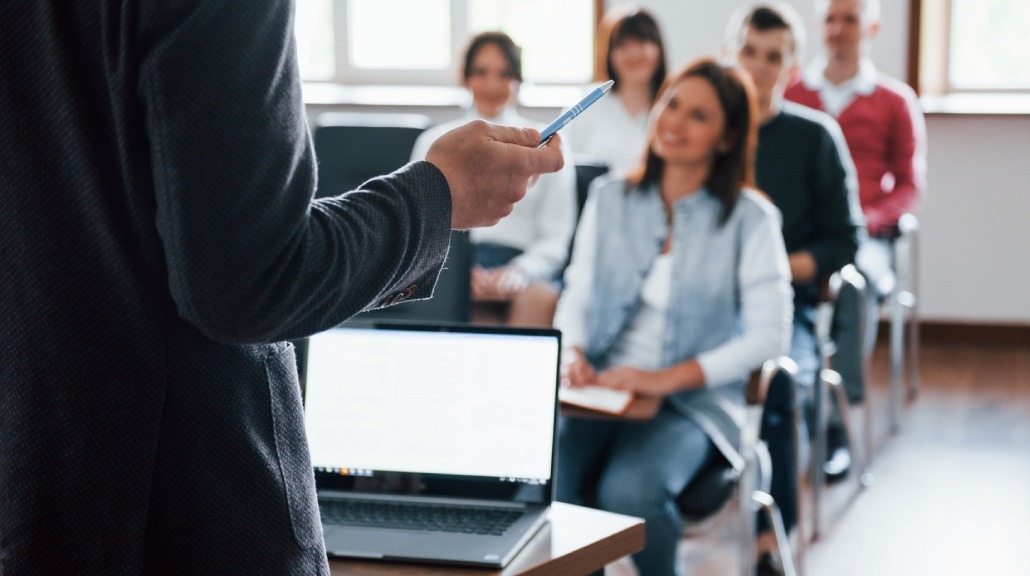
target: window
<point>364,42</point>
<point>974,46</point>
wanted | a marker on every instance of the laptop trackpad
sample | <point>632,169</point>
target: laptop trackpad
<point>367,542</point>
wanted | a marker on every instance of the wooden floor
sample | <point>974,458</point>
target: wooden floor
<point>950,492</point>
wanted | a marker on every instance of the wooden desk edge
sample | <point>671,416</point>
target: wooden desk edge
<point>596,556</point>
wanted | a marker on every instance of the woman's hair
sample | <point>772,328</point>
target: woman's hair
<point>621,24</point>
<point>733,169</point>
<point>512,53</point>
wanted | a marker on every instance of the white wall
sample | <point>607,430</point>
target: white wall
<point>975,221</point>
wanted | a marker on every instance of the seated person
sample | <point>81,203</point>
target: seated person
<point>678,287</point>
<point>884,128</point>
<point>630,52</point>
<point>804,166</point>
<point>516,261</point>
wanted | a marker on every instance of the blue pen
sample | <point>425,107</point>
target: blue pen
<point>561,121</point>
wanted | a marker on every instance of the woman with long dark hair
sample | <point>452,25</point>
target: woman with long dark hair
<point>629,50</point>
<point>678,288</point>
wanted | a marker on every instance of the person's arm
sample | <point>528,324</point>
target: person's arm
<point>554,219</point>
<point>250,258</point>
<point>571,314</point>
<point>766,307</point>
<point>907,163</point>
<point>837,217</point>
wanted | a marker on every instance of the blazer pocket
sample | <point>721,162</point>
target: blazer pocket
<point>291,447</point>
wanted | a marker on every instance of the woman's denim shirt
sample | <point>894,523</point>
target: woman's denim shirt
<point>705,304</point>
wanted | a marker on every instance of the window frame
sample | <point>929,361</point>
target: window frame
<point>347,74</point>
<point>929,55</point>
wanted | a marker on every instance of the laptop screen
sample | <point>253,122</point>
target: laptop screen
<point>434,410</point>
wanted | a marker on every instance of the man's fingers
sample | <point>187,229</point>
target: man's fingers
<point>549,158</point>
<point>527,137</point>
<point>538,161</point>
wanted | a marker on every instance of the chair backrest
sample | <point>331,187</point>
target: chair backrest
<point>770,395</point>
<point>843,346</point>
<point>353,147</point>
<point>585,174</point>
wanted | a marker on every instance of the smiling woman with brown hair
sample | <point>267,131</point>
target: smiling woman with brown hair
<point>678,287</point>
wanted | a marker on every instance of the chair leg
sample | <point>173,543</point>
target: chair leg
<point>912,325</point>
<point>841,398</point>
<point>897,359</point>
<point>747,523</point>
<point>818,451</point>
<point>772,512</point>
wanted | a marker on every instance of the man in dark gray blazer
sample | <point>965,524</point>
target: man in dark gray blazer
<point>158,245</point>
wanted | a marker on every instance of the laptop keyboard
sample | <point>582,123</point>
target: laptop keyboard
<point>463,519</point>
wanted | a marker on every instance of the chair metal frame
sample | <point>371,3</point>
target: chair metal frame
<point>829,387</point>
<point>903,314</point>
<point>755,477</point>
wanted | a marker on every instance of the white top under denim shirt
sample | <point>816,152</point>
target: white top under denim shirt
<point>729,296</point>
<point>542,223</point>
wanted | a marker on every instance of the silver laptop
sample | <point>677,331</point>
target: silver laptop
<point>432,443</point>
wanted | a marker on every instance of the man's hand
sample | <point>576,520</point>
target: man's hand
<point>488,168</point>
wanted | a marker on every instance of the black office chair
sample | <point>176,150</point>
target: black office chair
<point>586,173</point>
<point>770,393</point>
<point>903,312</point>
<point>352,147</point>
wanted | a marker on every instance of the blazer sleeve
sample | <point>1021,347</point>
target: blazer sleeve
<point>250,257</point>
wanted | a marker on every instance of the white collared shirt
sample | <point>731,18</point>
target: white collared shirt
<point>837,97</point>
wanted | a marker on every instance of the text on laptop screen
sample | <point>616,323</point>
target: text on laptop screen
<point>432,402</point>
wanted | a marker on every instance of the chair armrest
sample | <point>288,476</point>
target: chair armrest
<point>757,386</point>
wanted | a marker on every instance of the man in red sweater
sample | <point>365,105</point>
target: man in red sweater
<point>881,120</point>
<point>886,135</point>
<point>879,115</point>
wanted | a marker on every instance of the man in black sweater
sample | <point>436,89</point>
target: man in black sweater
<point>803,164</point>
<point>159,246</point>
